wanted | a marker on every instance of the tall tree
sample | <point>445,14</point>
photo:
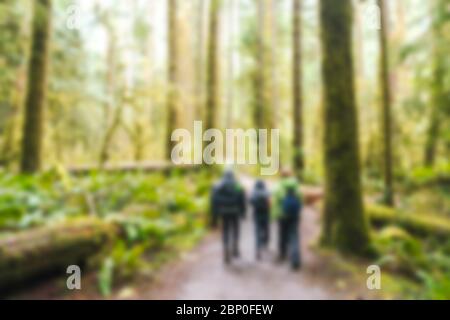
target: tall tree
<point>259,74</point>
<point>262,113</point>
<point>439,96</point>
<point>212,75</point>
<point>345,226</point>
<point>199,59</point>
<point>275,44</point>
<point>13,50</point>
<point>230,93</point>
<point>386,97</point>
<point>112,108</point>
<point>32,141</point>
<point>138,128</point>
<point>297,86</point>
<point>173,94</point>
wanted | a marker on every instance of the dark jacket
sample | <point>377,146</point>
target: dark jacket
<point>260,201</point>
<point>228,198</point>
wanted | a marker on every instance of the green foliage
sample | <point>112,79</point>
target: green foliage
<point>401,252</point>
<point>27,201</point>
<point>415,246</point>
<point>422,176</point>
<point>153,212</point>
<point>436,287</point>
<point>426,263</point>
<point>105,277</point>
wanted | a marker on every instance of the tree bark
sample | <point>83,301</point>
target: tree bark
<point>263,71</point>
<point>345,226</point>
<point>173,94</point>
<point>230,93</point>
<point>386,98</point>
<point>274,68</point>
<point>297,87</point>
<point>261,110</point>
<point>33,129</point>
<point>112,119</point>
<point>199,60</point>
<point>212,76</point>
<point>438,94</point>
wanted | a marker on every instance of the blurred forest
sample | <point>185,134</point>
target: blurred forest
<point>90,92</point>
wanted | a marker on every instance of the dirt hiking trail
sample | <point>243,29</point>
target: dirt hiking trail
<point>201,274</point>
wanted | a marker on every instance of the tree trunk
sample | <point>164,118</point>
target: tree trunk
<point>345,225</point>
<point>212,75</point>
<point>386,106</point>
<point>199,60</point>
<point>297,87</point>
<point>438,96</point>
<point>272,56</point>
<point>262,115</point>
<point>112,119</point>
<point>32,140</point>
<point>230,93</point>
<point>173,94</point>
<point>109,135</point>
<point>9,149</point>
<point>433,129</point>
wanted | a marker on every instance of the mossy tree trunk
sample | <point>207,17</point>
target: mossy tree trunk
<point>439,97</point>
<point>230,58</point>
<point>297,87</point>
<point>386,105</point>
<point>112,110</point>
<point>345,226</point>
<point>262,113</point>
<point>273,68</point>
<point>33,129</point>
<point>212,73</point>
<point>10,146</point>
<point>19,28</point>
<point>435,119</point>
<point>266,62</point>
<point>173,94</point>
<point>31,254</point>
<point>199,60</point>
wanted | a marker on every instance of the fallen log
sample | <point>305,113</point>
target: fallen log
<point>146,167</point>
<point>35,253</point>
<point>418,225</point>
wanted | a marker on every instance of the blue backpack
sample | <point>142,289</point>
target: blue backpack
<point>291,205</point>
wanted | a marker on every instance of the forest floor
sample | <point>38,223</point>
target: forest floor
<point>200,273</point>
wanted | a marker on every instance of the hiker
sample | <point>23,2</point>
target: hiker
<point>228,205</point>
<point>286,210</point>
<point>260,201</point>
<point>291,212</point>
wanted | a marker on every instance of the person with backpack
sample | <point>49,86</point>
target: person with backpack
<point>286,230</point>
<point>291,212</point>
<point>228,205</point>
<point>260,201</point>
